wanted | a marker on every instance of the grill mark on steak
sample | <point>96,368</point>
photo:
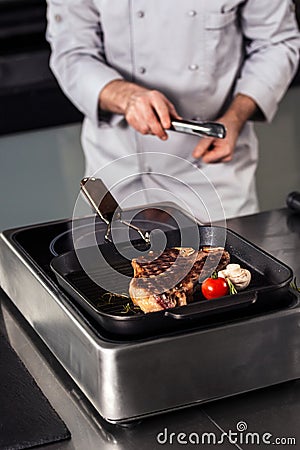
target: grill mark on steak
<point>168,280</point>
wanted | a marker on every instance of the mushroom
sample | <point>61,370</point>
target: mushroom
<point>237,275</point>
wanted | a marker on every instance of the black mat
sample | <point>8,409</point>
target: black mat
<point>26,417</point>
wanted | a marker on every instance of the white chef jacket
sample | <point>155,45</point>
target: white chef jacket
<point>199,53</point>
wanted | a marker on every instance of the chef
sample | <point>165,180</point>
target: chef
<point>133,66</point>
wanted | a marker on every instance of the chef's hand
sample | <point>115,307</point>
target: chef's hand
<point>147,111</point>
<point>213,150</point>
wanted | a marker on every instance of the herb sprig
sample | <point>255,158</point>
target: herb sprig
<point>232,288</point>
<point>294,285</point>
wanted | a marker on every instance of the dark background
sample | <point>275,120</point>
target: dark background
<point>30,97</point>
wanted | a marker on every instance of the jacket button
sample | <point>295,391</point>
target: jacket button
<point>57,18</point>
<point>142,70</point>
<point>140,14</point>
<point>193,67</point>
<point>192,13</point>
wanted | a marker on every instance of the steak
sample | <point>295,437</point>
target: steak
<point>169,279</point>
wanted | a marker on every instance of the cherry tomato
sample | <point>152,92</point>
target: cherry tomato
<point>214,288</point>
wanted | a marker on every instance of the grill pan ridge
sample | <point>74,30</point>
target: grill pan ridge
<point>117,314</point>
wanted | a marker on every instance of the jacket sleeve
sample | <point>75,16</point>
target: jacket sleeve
<point>271,52</point>
<point>78,58</point>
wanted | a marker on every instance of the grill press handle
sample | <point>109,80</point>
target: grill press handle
<point>203,308</point>
<point>106,206</point>
<point>99,198</point>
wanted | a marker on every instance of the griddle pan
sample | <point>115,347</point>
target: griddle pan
<point>117,314</point>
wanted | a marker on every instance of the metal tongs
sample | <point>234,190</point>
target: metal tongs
<point>207,129</point>
<point>106,206</point>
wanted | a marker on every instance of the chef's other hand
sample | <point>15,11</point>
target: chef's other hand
<point>147,111</point>
<point>213,150</point>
